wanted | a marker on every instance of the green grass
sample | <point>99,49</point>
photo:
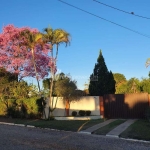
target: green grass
<point>138,130</point>
<point>104,130</point>
<point>67,125</point>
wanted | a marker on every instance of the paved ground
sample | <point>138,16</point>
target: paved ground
<point>119,129</point>
<point>97,126</point>
<point>23,138</point>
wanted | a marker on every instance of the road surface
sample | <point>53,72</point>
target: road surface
<point>25,138</point>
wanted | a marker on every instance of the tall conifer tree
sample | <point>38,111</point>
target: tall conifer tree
<point>101,81</point>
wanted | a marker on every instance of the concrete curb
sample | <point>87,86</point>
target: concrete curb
<point>30,126</point>
<point>20,125</point>
<point>11,124</point>
<point>134,140</point>
<point>84,132</point>
<point>115,136</point>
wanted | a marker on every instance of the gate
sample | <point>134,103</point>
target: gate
<point>125,105</point>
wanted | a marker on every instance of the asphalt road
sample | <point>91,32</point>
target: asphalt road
<point>23,138</point>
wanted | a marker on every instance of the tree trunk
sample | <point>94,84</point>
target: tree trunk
<point>50,100</point>
<point>33,60</point>
<point>51,109</point>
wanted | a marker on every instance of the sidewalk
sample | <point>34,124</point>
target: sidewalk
<point>95,127</point>
<point>113,133</point>
<point>119,129</point>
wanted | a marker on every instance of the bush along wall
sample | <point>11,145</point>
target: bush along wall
<point>82,113</point>
<point>74,113</point>
<point>26,108</point>
<point>87,112</point>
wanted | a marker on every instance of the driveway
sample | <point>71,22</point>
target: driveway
<point>23,138</point>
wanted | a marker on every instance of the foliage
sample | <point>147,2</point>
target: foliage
<point>145,85</point>
<point>46,84</point>
<point>81,112</point>
<point>24,108</point>
<point>27,52</point>
<point>16,110</point>
<point>133,85</point>
<point>11,89</point>
<point>87,112</point>
<point>6,76</point>
<point>55,38</point>
<point>101,81</point>
<point>121,83</point>
<point>86,88</point>
<point>74,113</point>
<point>111,84</point>
<point>41,105</point>
<point>15,91</point>
<point>20,51</point>
<point>65,87</point>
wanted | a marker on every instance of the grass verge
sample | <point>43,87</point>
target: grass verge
<point>138,130</point>
<point>67,125</point>
<point>104,130</point>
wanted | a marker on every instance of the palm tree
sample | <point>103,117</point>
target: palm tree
<point>32,39</point>
<point>55,37</point>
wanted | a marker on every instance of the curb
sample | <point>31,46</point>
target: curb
<point>20,125</point>
<point>115,136</point>
<point>84,132</point>
<point>135,140</point>
<point>11,124</point>
<point>30,126</point>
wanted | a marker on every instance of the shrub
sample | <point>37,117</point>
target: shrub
<point>10,111</point>
<point>22,108</point>
<point>74,113</point>
<point>82,113</point>
<point>87,112</point>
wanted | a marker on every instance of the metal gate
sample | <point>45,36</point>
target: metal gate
<point>125,105</point>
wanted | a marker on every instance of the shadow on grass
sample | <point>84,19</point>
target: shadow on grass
<point>138,130</point>
<point>104,130</point>
<point>67,125</point>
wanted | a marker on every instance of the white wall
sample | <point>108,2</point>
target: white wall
<point>85,103</point>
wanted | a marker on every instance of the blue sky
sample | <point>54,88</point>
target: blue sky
<point>125,52</point>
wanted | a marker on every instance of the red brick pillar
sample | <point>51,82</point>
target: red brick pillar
<point>101,105</point>
<point>67,108</point>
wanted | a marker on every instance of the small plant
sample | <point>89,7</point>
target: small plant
<point>51,118</point>
<point>82,113</point>
<point>74,113</point>
<point>87,112</point>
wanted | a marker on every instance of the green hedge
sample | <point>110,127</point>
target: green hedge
<point>31,107</point>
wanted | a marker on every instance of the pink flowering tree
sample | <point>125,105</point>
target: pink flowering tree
<point>27,52</point>
<point>23,52</point>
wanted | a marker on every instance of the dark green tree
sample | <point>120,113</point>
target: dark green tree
<point>111,84</point>
<point>6,76</point>
<point>101,81</point>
